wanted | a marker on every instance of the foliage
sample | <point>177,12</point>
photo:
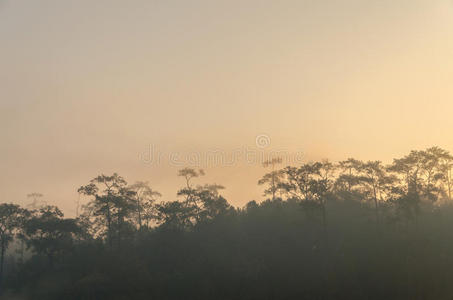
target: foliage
<point>347,230</point>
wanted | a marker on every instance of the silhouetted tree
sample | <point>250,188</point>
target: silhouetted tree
<point>145,198</point>
<point>49,234</point>
<point>10,215</point>
<point>189,192</point>
<point>110,199</point>
<point>273,178</point>
<point>376,181</point>
<point>445,170</point>
<point>320,232</point>
<point>37,201</point>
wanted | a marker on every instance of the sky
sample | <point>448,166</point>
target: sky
<point>144,88</point>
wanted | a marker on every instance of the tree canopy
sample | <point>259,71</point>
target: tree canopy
<point>329,230</point>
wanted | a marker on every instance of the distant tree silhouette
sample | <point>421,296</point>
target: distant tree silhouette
<point>10,215</point>
<point>37,201</point>
<point>348,230</point>
<point>273,179</point>
<point>144,197</point>
<point>111,203</point>
<point>49,234</point>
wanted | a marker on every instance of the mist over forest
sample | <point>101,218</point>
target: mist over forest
<point>226,150</point>
<point>328,230</point>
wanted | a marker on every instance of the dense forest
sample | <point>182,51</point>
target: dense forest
<point>346,230</point>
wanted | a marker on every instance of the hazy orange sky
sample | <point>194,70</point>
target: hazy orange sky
<point>88,87</point>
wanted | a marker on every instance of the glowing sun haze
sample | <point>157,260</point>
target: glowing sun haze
<point>88,87</point>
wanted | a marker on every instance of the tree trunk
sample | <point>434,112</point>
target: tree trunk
<point>22,250</point>
<point>324,224</point>
<point>326,253</point>
<point>376,206</point>
<point>449,184</point>
<point>109,226</point>
<point>2,262</point>
<point>139,214</point>
<point>273,184</point>
<point>120,222</point>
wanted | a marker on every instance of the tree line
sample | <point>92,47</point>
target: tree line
<point>345,230</point>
